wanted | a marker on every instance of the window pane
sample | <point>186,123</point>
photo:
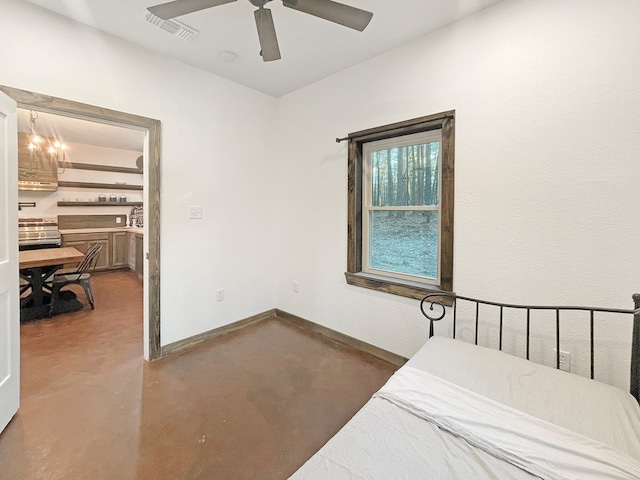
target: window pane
<point>405,176</point>
<point>404,242</point>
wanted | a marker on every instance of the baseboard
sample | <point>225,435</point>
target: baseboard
<point>294,320</point>
<point>208,335</point>
<point>341,338</point>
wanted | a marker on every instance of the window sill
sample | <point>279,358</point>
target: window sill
<point>403,288</point>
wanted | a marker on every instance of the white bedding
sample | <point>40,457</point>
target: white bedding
<point>585,406</point>
<point>536,446</point>
<point>398,435</point>
<point>384,442</point>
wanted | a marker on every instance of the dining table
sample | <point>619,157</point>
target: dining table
<point>36,267</point>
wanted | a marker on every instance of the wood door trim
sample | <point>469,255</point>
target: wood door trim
<point>61,106</point>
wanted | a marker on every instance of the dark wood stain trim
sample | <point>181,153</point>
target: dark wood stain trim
<point>394,287</point>
<point>103,186</point>
<point>217,332</point>
<point>420,124</point>
<point>634,387</point>
<point>448,196</point>
<point>99,168</point>
<point>354,275</point>
<point>354,208</point>
<point>46,103</point>
<point>299,322</point>
<point>154,133</point>
<point>342,338</point>
<point>99,204</point>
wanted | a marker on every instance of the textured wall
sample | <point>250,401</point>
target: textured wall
<point>207,158</point>
<point>546,93</point>
<point>547,98</point>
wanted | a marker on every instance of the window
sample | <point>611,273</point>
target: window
<point>400,222</point>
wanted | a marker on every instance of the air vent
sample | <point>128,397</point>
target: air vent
<point>174,27</point>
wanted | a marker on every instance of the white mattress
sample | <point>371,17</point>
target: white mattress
<point>396,436</point>
<point>585,406</point>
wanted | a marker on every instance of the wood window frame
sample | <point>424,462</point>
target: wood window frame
<point>354,274</point>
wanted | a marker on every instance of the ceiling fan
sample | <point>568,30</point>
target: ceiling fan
<point>327,9</point>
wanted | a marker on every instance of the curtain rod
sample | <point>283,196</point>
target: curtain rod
<point>435,119</point>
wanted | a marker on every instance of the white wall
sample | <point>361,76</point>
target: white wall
<point>217,152</point>
<point>547,95</point>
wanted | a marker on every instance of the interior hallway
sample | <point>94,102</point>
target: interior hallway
<point>253,404</point>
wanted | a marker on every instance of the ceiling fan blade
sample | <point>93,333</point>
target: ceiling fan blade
<point>181,7</point>
<point>333,11</point>
<point>267,35</point>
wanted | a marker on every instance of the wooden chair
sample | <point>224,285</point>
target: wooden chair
<point>81,275</point>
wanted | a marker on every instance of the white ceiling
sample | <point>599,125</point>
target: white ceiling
<point>311,48</point>
<point>75,130</point>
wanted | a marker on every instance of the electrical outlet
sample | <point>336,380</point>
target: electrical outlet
<point>565,360</point>
<point>220,294</point>
<point>118,219</point>
<point>295,286</point>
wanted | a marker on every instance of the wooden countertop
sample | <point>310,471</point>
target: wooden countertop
<point>49,256</point>
<point>70,231</point>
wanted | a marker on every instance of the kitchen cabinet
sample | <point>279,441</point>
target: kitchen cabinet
<point>136,253</point>
<point>131,251</point>
<point>120,249</point>
<point>139,265</point>
<point>82,241</point>
<point>119,246</point>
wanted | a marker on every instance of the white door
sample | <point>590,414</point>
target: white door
<point>9,297</point>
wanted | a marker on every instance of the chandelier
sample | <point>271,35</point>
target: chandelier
<point>55,148</point>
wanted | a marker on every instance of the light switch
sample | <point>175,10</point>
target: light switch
<point>195,211</point>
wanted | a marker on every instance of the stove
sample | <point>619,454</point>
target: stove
<point>38,232</point>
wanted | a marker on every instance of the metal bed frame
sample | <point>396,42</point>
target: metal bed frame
<point>439,299</point>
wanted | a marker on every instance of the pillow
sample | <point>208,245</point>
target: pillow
<point>585,406</point>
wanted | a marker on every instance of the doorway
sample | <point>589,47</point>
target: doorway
<point>152,147</point>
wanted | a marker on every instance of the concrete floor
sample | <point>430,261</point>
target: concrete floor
<point>253,404</point>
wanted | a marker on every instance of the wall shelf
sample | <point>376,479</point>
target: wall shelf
<point>99,168</point>
<point>99,204</point>
<point>101,186</point>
